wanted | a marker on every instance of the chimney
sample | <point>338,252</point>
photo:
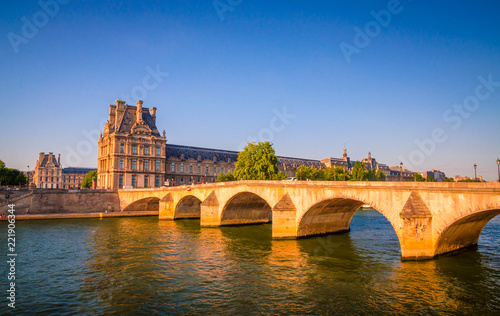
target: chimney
<point>51,156</point>
<point>40,156</point>
<point>139,111</point>
<point>59,159</point>
<point>153,114</point>
<point>120,108</point>
<point>112,113</point>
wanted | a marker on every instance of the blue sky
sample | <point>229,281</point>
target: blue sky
<point>420,72</point>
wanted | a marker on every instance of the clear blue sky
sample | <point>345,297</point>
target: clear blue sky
<point>228,77</point>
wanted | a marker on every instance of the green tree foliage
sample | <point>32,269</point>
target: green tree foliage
<point>430,179</point>
<point>469,180</point>
<point>221,177</point>
<point>9,176</point>
<point>449,180</point>
<point>417,177</point>
<point>87,180</point>
<point>358,172</point>
<point>257,161</point>
<point>380,176</point>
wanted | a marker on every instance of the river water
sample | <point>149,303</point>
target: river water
<point>132,266</point>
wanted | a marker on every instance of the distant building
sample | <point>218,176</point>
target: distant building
<point>131,150</point>
<point>72,177</point>
<point>436,174</point>
<point>49,173</point>
<point>132,153</point>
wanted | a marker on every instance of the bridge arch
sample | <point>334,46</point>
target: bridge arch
<point>188,207</point>
<point>464,232</point>
<point>332,215</point>
<point>149,204</point>
<point>246,208</point>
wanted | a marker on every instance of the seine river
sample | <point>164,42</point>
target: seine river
<point>132,266</point>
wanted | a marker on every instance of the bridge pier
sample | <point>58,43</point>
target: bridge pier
<point>210,213</point>
<point>416,232</point>
<point>285,219</point>
<point>167,208</point>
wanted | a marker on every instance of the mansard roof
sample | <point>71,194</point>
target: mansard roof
<point>46,161</point>
<point>78,170</point>
<point>188,152</point>
<point>128,119</point>
<point>200,154</point>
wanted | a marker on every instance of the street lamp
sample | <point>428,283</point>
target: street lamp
<point>401,171</point>
<point>475,174</point>
<point>498,166</point>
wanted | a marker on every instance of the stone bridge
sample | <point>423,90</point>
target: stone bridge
<point>429,219</point>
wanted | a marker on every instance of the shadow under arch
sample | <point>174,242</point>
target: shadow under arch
<point>246,208</point>
<point>189,207</point>
<point>464,233</point>
<point>150,204</point>
<point>332,215</point>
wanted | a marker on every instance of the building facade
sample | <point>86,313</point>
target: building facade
<point>49,173</point>
<point>131,150</point>
<point>133,154</point>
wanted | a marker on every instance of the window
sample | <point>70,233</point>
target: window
<point>120,181</point>
<point>172,169</point>
<point>222,169</point>
<point>146,150</point>
<point>206,169</point>
<point>52,179</point>
<point>228,169</point>
<point>134,149</point>
<point>157,165</point>
<point>146,165</point>
<point>157,181</point>
<point>134,164</point>
<point>146,181</point>
<point>40,179</point>
<point>157,150</point>
<point>133,181</point>
<point>182,168</point>
<point>199,169</point>
<point>121,163</point>
<point>122,148</point>
<point>190,168</point>
<point>215,170</point>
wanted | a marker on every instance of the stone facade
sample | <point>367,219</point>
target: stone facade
<point>131,150</point>
<point>132,153</point>
<point>49,173</point>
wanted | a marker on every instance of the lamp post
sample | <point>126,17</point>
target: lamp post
<point>400,171</point>
<point>498,166</point>
<point>475,174</point>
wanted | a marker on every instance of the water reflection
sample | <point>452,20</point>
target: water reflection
<point>135,266</point>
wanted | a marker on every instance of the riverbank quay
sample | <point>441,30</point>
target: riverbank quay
<point>82,215</point>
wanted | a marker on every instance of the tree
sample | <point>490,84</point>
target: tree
<point>257,161</point>
<point>221,177</point>
<point>380,176</point>
<point>2,164</point>
<point>430,179</point>
<point>358,172</point>
<point>20,179</point>
<point>449,180</point>
<point>417,177</point>
<point>87,180</point>
<point>230,176</point>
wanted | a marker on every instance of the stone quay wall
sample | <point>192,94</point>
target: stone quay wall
<point>64,202</point>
